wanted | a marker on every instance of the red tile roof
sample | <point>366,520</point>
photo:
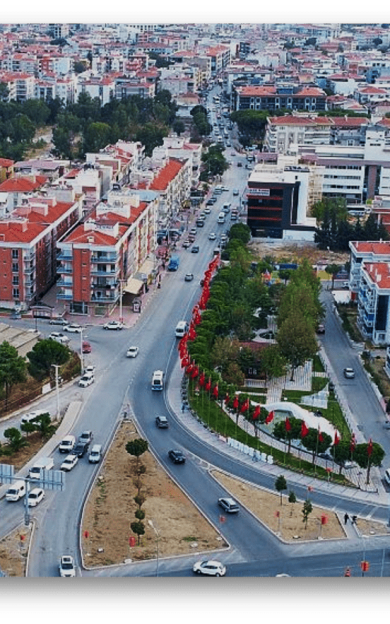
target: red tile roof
<point>22,232</point>
<point>379,272</point>
<point>166,175</point>
<point>22,185</point>
<point>376,247</point>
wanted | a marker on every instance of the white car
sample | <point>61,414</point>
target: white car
<point>113,325</point>
<point>86,380</point>
<point>35,496</point>
<point>132,352</point>
<point>207,210</point>
<point>212,236</point>
<point>73,328</point>
<point>66,567</point>
<point>58,337</point>
<point>209,568</point>
<point>89,369</point>
<point>69,463</point>
<point>32,416</point>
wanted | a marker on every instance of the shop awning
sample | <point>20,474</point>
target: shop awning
<point>133,286</point>
<point>147,267</point>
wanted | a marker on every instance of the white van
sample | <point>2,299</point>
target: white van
<point>181,329</point>
<point>221,217</point>
<point>16,491</point>
<point>158,380</point>
<point>67,444</point>
<point>95,454</point>
<point>45,463</point>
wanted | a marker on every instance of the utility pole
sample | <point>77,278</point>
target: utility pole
<point>56,367</point>
<point>81,350</point>
<point>157,539</point>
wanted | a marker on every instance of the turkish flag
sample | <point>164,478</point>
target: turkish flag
<point>215,391</point>
<point>336,439</point>
<point>245,406</point>
<point>304,430</point>
<point>189,369</point>
<point>192,333</point>
<point>353,443</point>
<point>256,413</point>
<point>270,417</point>
<point>195,372</point>
<point>202,379</point>
<point>369,448</point>
<point>235,402</point>
<point>320,436</point>
<point>288,425</point>
<point>185,361</point>
<point>208,385</point>
<point>227,398</point>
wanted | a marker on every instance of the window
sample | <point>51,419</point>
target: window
<point>15,293</point>
<point>15,280</point>
<point>15,253</point>
<point>15,267</point>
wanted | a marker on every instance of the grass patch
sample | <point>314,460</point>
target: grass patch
<point>379,377</point>
<point>318,383</point>
<point>348,315</point>
<point>318,366</point>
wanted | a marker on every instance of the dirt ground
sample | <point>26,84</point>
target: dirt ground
<point>13,552</point>
<point>293,252</point>
<point>19,459</point>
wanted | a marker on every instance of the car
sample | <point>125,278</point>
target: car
<point>58,337</point>
<point>115,325</point>
<point>96,454</point>
<point>86,380</point>
<point>239,164</point>
<point>80,449</point>
<point>86,347</point>
<point>86,437</point>
<point>193,231</point>
<point>326,456</point>
<point>209,568</point>
<point>212,236</point>
<point>229,505</point>
<point>176,456</point>
<point>69,462</point>
<point>386,424</point>
<point>189,277</point>
<point>349,373</point>
<point>132,352</point>
<point>331,386</point>
<point>195,249</point>
<point>236,192</point>
<point>207,210</point>
<point>58,321</point>
<point>225,188</point>
<point>67,444</point>
<point>210,202</point>
<point>73,328</point>
<point>90,369</point>
<point>321,329</point>
<point>35,496</point>
<point>32,416</point>
<point>186,244</point>
<point>162,422</point>
<point>66,567</point>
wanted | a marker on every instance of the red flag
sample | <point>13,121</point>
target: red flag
<point>270,417</point>
<point>320,436</point>
<point>304,430</point>
<point>185,361</point>
<point>244,406</point>
<point>227,398</point>
<point>256,413</point>
<point>202,379</point>
<point>235,402</point>
<point>208,385</point>
<point>195,372</point>
<point>353,443</point>
<point>288,425</point>
<point>336,439</point>
<point>215,391</point>
<point>189,369</point>
<point>369,448</point>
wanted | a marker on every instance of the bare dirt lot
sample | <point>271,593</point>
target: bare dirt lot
<point>13,551</point>
<point>295,252</point>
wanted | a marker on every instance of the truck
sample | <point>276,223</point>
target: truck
<point>45,463</point>
<point>174,262</point>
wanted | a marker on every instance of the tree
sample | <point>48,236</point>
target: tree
<point>136,448</point>
<point>12,368</point>
<point>306,511</point>
<point>365,459</point>
<point>241,232</point>
<point>273,364</point>
<point>178,127</point>
<point>312,442</point>
<point>96,136</point>
<point>296,339</point>
<point>43,425</point>
<point>138,528</point>
<point>280,486</point>
<point>43,355</point>
<point>292,499</point>
<point>15,439</point>
<point>333,269</point>
<point>285,274</point>
<point>281,433</point>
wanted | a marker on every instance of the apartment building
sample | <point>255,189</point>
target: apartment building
<point>363,253</point>
<point>282,132</point>
<point>173,185</point>
<point>28,238</point>
<point>102,257</point>
<point>373,302</point>
<point>274,98</point>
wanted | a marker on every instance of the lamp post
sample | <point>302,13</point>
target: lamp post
<point>56,367</point>
<point>157,538</point>
<point>121,281</point>
<point>81,350</point>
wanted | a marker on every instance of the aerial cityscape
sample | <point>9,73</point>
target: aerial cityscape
<point>195,290</point>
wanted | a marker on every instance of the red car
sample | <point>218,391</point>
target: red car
<point>86,347</point>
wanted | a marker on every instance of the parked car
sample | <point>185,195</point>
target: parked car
<point>35,496</point>
<point>86,380</point>
<point>186,244</point>
<point>209,568</point>
<point>58,321</point>
<point>236,192</point>
<point>195,249</point>
<point>73,328</point>
<point>69,462</point>
<point>86,347</point>
<point>349,373</point>
<point>229,505</point>
<point>132,352</point>
<point>239,163</point>
<point>113,325</point>
<point>193,231</point>
<point>212,236</point>
<point>207,210</point>
<point>176,456</point>
<point>80,449</point>
<point>162,422</point>
<point>26,418</point>
<point>189,277</point>
<point>321,329</point>
<point>66,567</point>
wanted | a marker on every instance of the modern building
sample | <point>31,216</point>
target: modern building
<point>274,98</point>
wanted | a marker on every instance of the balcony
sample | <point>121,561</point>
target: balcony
<point>105,259</point>
<point>63,295</point>
<point>66,283</point>
<point>62,269</point>
<point>97,271</point>
<point>105,285</point>
<point>105,298</point>
<point>29,269</point>
<point>65,255</point>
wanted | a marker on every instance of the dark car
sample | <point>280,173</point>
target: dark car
<point>239,164</point>
<point>162,422</point>
<point>321,329</point>
<point>80,449</point>
<point>176,456</point>
<point>200,223</point>
<point>195,249</point>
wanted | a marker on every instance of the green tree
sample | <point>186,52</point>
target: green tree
<point>280,486</point>
<point>292,499</point>
<point>281,433</point>
<point>96,136</point>
<point>241,232</point>
<point>138,528</point>
<point>297,341</point>
<point>12,368</point>
<point>306,511</point>
<point>273,364</point>
<point>178,127</point>
<point>43,425</point>
<point>285,274</point>
<point>365,460</point>
<point>136,448</point>
<point>312,443</point>
<point>15,439</point>
<point>23,129</point>
<point>43,355</point>
<point>333,269</point>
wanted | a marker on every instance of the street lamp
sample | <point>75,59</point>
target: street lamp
<point>121,282</point>
<point>56,367</point>
<point>157,538</point>
<point>81,350</point>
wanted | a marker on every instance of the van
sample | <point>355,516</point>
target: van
<point>158,380</point>
<point>67,444</point>
<point>16,491</point>
<point>181,329</point>
<point>221,217</point>
<point>95,454</point>
<point>45,463</point>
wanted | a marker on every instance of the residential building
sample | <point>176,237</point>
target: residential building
<point>274,98</point>
<point>373,302</point>
<point>365,252</point>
